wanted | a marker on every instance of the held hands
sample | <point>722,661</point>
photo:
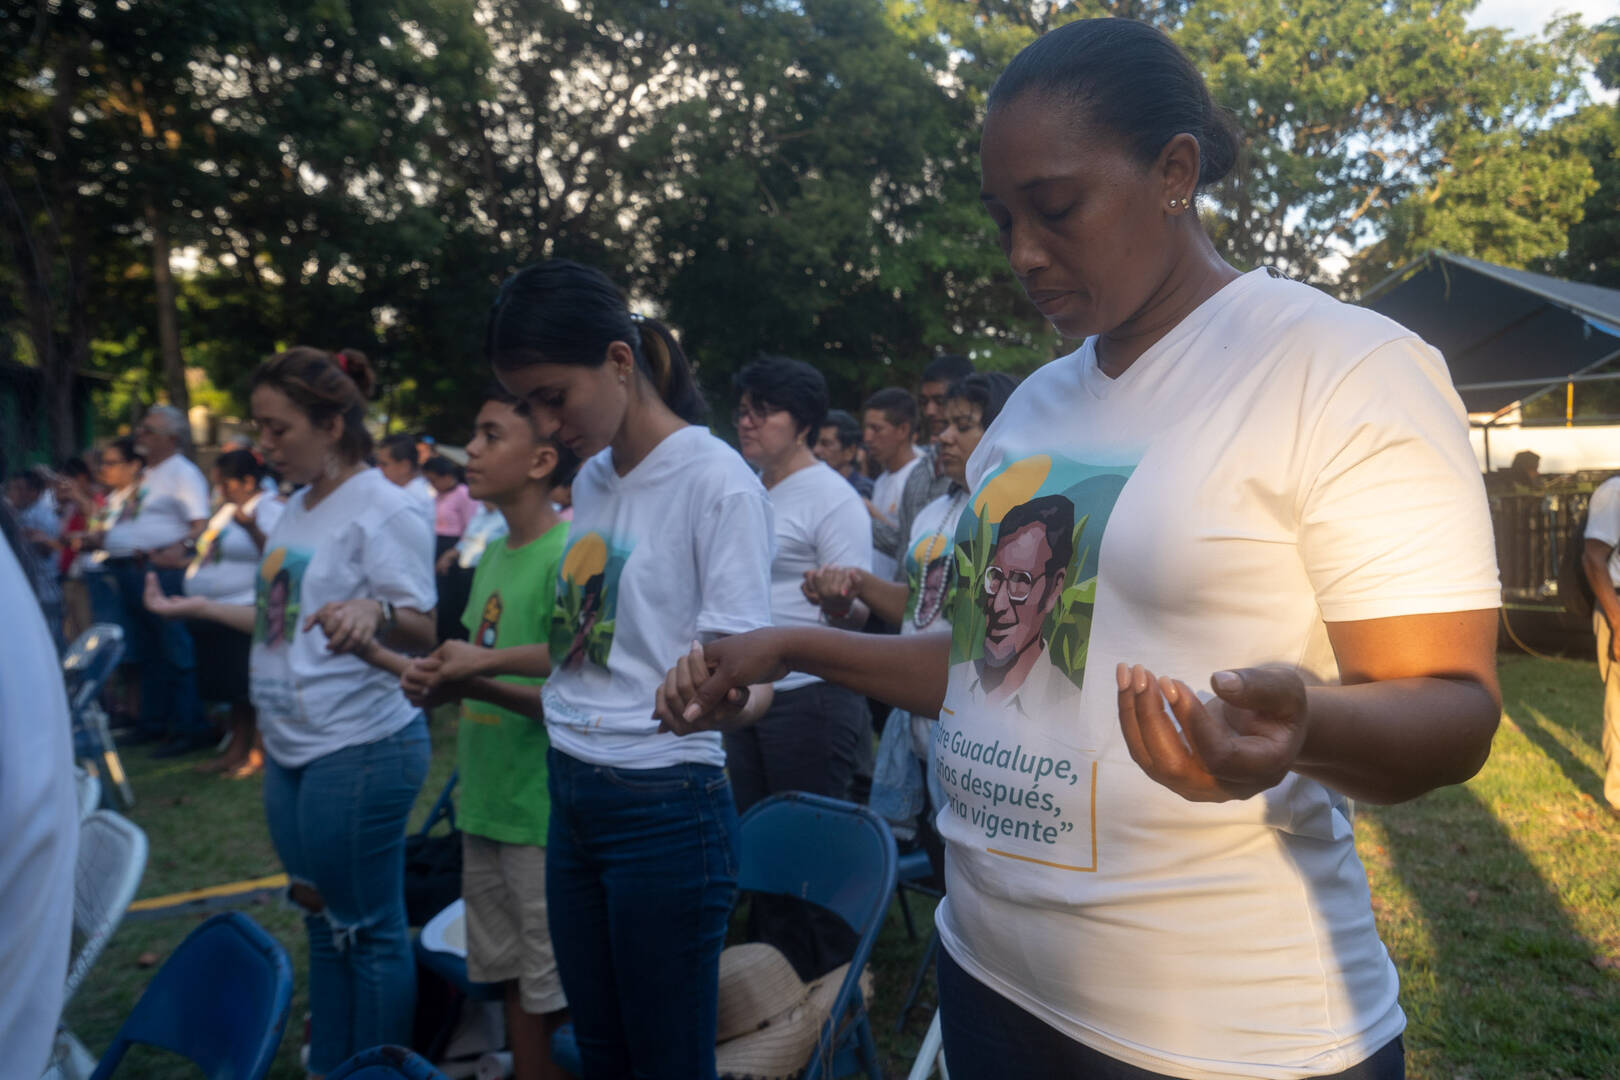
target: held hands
<point>834,588</point>
<point>446,561</point>
<point>1239,744</point>
<point>707,689</point>
<point>349,625</point>
<point>458,660</point>
<point>425,686</point>
<point>169,607</point>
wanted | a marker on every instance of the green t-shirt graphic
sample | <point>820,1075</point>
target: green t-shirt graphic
<point>501,754</point>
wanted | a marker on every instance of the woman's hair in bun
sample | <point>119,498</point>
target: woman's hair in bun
<point>325,385</point>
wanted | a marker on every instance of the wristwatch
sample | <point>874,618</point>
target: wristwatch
<point>387,623</point>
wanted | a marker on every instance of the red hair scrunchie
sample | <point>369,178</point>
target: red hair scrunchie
<point>342,356</point>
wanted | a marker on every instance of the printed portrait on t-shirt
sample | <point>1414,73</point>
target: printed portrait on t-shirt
<point>132,505</point>
<point>276,592</point>
<point>489,622</point>
<point>587,599</point>
<point>931,571</point>
<point>1026,557</point>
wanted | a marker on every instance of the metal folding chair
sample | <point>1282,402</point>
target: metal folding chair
<point>219,1001</point>
<point>841,857</point>
<point>86,666</point>
<point>386,1063</point>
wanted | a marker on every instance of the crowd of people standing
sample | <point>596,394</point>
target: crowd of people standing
<point>1233,480</point>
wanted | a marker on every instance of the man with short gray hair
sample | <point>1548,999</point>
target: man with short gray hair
<point>157,532</point>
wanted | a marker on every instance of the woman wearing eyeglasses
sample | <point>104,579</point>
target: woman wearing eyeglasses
<point>1230,565</point>
<point>811,737</point>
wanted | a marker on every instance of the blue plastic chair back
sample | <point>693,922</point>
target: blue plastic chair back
<point>386,1063</point>
<point>90,661</point>
<point>832,853</point>
<point>842,857</point>
<point>219,1001</point>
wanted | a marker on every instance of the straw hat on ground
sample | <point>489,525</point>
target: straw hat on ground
<point>769,1018</point>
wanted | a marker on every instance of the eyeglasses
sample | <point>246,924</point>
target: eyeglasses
<point>755,414</point>
<point>1019,583</point>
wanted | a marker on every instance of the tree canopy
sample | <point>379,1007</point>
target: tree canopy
<point>203,184</point>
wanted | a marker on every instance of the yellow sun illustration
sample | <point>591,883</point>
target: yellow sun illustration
<point>586,558</point>
<point>929,548</point>
<point>1014,487</point>
<point>271,566</point>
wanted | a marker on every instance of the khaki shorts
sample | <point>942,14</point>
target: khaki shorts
<point>504,888</point>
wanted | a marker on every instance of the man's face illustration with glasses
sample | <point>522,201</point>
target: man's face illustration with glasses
<point>1019,592</point>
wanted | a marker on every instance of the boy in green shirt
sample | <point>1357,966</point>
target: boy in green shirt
<point>503,807</point>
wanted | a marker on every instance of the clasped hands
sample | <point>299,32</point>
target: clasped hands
<point>442,675</point>
<point>834,589</point>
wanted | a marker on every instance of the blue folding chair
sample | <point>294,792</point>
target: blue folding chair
<point>841,857</point>
<point>448,966</point>
<point>444,807</point>
<point>219,1001</point>
<point>86,666</point>
<point>386,1063</point>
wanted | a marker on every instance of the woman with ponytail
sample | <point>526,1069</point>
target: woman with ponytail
<point>671,546</point>
<point>347,563</point>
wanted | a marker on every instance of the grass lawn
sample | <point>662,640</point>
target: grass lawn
<point>1500,900</point>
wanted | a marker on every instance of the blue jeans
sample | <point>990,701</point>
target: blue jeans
<point>988,1036</point>
<point>641,876</point>
<point>338,824</point>
<point>162,648</point>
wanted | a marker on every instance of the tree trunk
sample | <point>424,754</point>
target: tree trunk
<point>174,364</point>
<point>27,250</point>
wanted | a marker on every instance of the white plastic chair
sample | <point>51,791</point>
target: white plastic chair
<point>112,858</point>
<point>931,1055</point>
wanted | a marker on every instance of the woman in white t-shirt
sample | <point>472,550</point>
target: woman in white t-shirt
<point>670,545</point>
<point>224,569</point>
<point>919,605</point>
<point>1235,481</point>
<point>348,562</point>
<point>815,733</point>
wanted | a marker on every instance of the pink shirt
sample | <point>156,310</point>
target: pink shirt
<point>452,511</point>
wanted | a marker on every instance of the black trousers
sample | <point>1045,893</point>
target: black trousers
<point>987,1037</point>
<point>809,740</point>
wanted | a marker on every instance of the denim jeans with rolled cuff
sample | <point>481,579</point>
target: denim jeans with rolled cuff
<point>338,824</point>
<point>641,876</point>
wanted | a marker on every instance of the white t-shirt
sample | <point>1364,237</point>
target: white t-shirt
<point>171,495</point>
<point>368,539</point>
<point>886,492</point>
<point>1277,461</point>
<point>227,560</point>
<point>1603,522</point>
<point>820,521</point>
<point>39,817</point>
<point>676,550</point>
<point>487,526</point>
